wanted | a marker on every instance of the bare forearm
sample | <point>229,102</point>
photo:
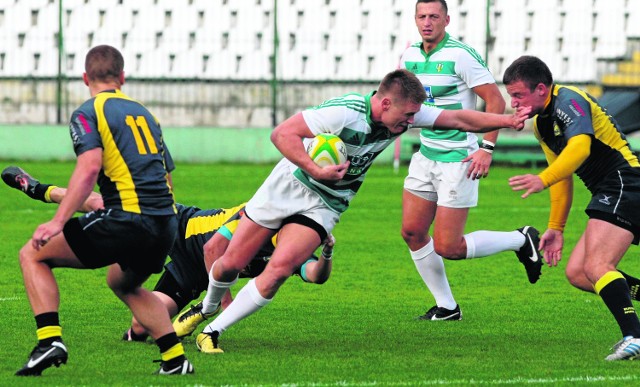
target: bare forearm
<point>473,121</point>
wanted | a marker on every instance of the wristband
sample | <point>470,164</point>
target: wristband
<point>487,146</point>
<point>491,144</point>
<point>327,257</point>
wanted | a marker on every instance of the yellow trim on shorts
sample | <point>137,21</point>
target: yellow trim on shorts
<point>606,279</point>
<point>173,352</point>
<point>49,331</point>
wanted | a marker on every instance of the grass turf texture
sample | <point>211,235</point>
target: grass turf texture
<point>357,329</point>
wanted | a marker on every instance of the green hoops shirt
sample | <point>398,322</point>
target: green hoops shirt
<point>449,73</point>
<point>349,117</point>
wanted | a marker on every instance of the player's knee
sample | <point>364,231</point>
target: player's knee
<point>450,250</point>
<point>279,271</point>
<point>413,237</point>
<point>577,278</point>
<point>27,255</point>
<point>227,267</point>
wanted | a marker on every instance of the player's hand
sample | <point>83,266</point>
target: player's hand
<point>480,163</point>
<point>528,183</point>
<point>520,116</point>
<point>331,173</point>
<point>551,243</point>
<point>329,241</point>
<point>44,233</point>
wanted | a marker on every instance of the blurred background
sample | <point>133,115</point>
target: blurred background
<point>249,64</point>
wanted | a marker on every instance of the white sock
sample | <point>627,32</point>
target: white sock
<point>215,291</point>
<point>484,243</point>
<point>247,301</point>
<point>431,269</point>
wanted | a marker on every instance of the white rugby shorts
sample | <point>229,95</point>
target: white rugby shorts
<point>446,183</point>
<point>281,195</point>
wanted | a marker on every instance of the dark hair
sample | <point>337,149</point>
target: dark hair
<point>530,70</point>
<point>442,2</point>
<point>104,63</point>
<point>402,84</point>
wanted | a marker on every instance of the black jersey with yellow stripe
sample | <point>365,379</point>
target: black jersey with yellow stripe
<point>195,228</point>
<point>135,160</point>
<point>573,112</point>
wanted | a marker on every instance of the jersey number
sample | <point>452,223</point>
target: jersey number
<point>137,125</point>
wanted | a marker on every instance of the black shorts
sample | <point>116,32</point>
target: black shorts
<point>616,201</point>
<point>137,242</point>
<point>181,294</point>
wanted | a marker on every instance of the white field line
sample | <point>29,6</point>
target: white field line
<point>455,382</point>
<point>14,298</point>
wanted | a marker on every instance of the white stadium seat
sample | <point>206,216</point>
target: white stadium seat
<point>319,39</point>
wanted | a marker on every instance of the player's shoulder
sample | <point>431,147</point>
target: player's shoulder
<point>571,98</point>
<point>351,102</point>
<point>459,49</point>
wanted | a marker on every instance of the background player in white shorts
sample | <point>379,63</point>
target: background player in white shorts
<point>443,178</point>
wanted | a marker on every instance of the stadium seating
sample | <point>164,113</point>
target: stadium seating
<point>319,39</point>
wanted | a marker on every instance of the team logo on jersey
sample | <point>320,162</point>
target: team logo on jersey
<point>564,117</point>
<point>78,127</point>
<point>576,108</point>
<point>556,130</point>
<point>439,67</point>
<point>605,200</point>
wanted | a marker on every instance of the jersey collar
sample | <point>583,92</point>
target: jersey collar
<point>437,48</point>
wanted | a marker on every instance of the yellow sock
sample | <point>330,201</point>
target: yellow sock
<point>173,352</point>
<point>50,331</point>
<point>47,194</point>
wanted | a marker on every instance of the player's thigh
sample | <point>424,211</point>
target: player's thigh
<point>575,265</point>
<point>605,245</point>
<point>169,303</point>
<point>417,212</point>
<point>124,282</point>
<point>449,225</point>
<point>296,242</point>
<point>56,253</point>
<point>245,244</point>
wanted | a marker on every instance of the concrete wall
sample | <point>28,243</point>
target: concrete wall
<point>187,145</point>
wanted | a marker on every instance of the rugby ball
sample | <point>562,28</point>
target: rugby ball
<point>327,149</point>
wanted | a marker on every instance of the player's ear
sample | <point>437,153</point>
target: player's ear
<point>85,78</point>
<point>541,88</point>
<point>121,78</point>
<point>386,103</point>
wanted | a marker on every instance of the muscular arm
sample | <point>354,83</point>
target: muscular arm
<point>473,121</point>
<point>288,136</point>
<point>318,272</point>
<point>495,103</point>
<point>81,185</point>
<point>572,156</point>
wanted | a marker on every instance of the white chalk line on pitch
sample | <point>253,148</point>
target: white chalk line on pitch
<point>518,381</point>
<point>9,299</point>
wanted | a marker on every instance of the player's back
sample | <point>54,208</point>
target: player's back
<point>135,159</point>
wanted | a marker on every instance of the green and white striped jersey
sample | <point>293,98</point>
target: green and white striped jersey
<point>449,73</point>
<point>349,117</point>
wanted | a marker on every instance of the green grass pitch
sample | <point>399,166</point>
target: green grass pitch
<point>357,329</point>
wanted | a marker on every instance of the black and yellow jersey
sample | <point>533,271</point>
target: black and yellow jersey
<point>572,112</point>
<point>135,159</point>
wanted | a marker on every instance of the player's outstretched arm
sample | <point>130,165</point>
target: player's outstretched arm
<point>479,122</point>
